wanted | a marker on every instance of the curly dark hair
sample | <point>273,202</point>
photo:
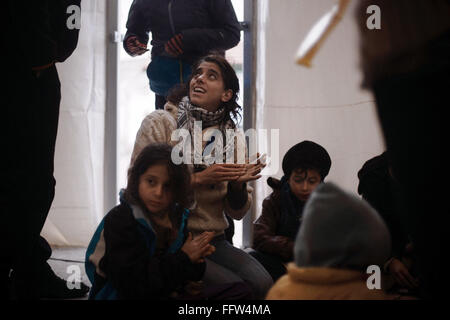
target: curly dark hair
<point>230,80</point>
<point>179,175</point>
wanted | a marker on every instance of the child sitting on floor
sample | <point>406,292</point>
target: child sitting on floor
<point>141,249</point>
<point>305,166</point>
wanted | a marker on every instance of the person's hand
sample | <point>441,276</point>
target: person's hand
<point>218,173</point>
<point>174,46</point>
<point>194,287</point>
<point>198,248</point>
<point>401,274</point>
<point>135,47</point>
<point>252,170</point>
<point>38,70</point>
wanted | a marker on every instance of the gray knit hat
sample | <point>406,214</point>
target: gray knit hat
<point>340,230</point>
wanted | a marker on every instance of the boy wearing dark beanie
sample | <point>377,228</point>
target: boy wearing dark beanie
<point>305,166</point>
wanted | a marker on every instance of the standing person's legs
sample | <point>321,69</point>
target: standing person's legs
<point>46,126</point>
<point>18,175</point>
<point>39,185</point>
<point>241,264</point>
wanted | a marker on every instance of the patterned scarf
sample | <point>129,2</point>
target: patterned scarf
<point>188,114</point>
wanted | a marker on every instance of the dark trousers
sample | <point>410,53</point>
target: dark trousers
<point>273,264</point>
<point>27,182</point>
<point>411,109</point>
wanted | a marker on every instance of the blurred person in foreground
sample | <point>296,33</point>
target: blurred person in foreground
<point>406,64</point>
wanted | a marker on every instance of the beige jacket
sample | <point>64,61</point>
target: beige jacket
<point>317,283</point>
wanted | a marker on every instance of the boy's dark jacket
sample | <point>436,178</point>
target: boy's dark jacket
<point>121,262</point>
<point>275,230</point>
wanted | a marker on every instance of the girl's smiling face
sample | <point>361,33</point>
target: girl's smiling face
<point>154,188</point>
<point>207,88</point>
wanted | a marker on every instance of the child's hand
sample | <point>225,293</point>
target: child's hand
<point>401,274</point>
<point>194,287</point>
<point>210,250</point>
<point>198,248</point>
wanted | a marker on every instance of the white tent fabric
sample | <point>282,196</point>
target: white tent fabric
<point>78,204</point>
<point>324,103</point>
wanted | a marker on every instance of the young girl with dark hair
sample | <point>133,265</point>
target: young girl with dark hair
<point>141,249</point>
<point>219,188</point>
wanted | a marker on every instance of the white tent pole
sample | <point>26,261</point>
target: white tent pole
<point>110,169</point>
<point>249,101</point>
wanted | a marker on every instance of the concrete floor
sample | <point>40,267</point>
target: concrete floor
<point>67,262</point>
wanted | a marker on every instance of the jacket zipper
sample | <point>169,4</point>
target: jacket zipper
<point>171,18</point>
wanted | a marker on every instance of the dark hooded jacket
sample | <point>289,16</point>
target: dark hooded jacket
<point>123,261</point>
<point>44,28</point>
<point>204,24</point>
